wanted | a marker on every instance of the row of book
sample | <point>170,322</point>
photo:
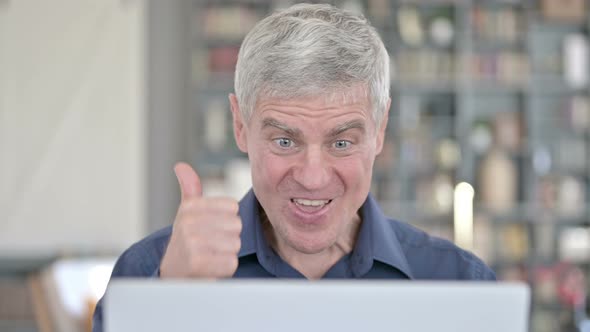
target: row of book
<point>426,66</point>
<point>504,25</point>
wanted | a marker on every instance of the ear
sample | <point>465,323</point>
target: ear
<point>240,128</point>
<point>381,130</point>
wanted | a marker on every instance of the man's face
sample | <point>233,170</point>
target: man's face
<point>312,163</point>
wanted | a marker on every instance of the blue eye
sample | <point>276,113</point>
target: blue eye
<point>284,142</point>
<point>341,144</point>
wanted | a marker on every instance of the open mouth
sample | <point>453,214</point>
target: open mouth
<point>310,205</point>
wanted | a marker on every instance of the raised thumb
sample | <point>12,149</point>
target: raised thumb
<point>189,181</point>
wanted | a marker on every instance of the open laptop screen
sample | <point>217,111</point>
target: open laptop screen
<point>289,306</point>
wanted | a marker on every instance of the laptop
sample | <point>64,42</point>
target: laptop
<point>294,306</point>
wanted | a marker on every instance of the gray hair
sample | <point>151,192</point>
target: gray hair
<point>312,50</point>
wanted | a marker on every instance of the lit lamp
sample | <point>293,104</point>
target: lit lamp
<point>463,215</point>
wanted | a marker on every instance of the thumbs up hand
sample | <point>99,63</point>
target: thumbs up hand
<point>205,238</point>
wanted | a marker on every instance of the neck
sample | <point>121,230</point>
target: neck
<point>313,266</point>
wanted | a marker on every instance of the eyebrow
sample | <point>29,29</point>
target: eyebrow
<point>270,122</point>
<point>294,132</point>
<point>353,124</point>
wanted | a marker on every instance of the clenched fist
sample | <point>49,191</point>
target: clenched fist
<point>205,238</point>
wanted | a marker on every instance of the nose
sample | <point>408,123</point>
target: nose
<point>312,171</point>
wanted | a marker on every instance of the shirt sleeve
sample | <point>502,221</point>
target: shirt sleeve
<point>487,274</point>
<point>478,270</point>
<point>135,262</point>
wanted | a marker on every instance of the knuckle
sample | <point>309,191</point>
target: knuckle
<point>234,206</point>
<point>227,204</point>
<point>234,225</point>
<point>237,246</point>
<point>232,263</point>
<point>238,225</point>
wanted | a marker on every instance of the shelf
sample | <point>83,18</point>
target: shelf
<point>262,4</point>
<point>484,46</point>
<point>416,212</point>
<point>523,214</point>
<point>426,46</point>
<point>424,87</point>
<point>540,22</point>
<point>489,68</point>
<point>429,4</point>
<point>493,88</point>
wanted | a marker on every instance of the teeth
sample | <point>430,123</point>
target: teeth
<point>308,202</point>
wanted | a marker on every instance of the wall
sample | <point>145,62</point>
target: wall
<point>72,125</point>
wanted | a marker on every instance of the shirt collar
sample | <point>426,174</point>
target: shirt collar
<point>376,240</point>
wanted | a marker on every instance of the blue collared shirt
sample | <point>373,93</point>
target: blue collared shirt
<point>385,249</point>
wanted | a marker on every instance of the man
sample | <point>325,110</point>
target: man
<point>310,110</point>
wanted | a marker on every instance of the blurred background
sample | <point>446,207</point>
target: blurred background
<point>488,142</point>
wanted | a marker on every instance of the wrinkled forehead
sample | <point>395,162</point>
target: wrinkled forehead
<point>323,98</point>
